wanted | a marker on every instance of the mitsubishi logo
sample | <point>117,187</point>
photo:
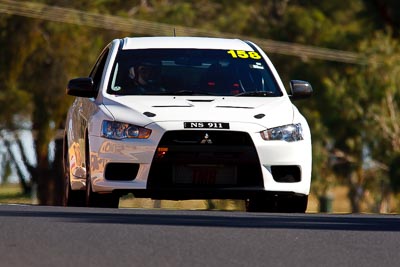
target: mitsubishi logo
<point>206,139</point>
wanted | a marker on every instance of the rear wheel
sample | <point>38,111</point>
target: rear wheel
<point>94,199</point>
<point>73,198</point>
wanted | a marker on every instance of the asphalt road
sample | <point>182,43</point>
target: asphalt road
<point>58,236</point>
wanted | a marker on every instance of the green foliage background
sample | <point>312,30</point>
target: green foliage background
<point>353,114</point>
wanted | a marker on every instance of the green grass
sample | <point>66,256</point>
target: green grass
<point>12,194</point>
<point>230,205</point>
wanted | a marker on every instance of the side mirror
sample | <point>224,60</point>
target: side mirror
<point>300,89</point>
<point>82,87</point>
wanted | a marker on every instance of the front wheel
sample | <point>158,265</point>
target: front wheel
<point>260,203</point>
<point>278,203</point>
<point>293,204</point>
<point>97,200</point>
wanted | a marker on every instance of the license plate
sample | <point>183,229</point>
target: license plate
<point>199,174</point>
<point>206,125</point>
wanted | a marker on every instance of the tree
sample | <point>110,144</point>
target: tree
<point>365,102</point>
<point>381,79</point>
<point>37,62</point>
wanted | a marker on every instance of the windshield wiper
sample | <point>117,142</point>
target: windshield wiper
<point>258,93</point>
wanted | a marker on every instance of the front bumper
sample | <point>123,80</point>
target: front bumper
<point>259,165</point>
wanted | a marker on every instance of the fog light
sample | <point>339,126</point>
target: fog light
<point>161,152</point>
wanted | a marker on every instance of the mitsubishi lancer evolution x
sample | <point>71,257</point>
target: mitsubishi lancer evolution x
<point>186,118</point>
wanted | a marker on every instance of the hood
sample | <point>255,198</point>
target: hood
<point>265,111</point>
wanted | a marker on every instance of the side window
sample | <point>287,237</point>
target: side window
<point>98,68</point>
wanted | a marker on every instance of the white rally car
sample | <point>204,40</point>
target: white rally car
<point>186,118</point>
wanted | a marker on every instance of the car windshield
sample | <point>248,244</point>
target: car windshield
<point>191,72</point>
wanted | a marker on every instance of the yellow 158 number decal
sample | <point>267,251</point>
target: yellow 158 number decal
<point>244,54</point>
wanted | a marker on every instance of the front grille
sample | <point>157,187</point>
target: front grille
<point>216,138</point>
<point>205,159</point>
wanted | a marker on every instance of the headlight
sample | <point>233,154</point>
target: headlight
<point>289,133</point>
<point>119,130</point>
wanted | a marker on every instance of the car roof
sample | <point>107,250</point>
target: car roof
<point>184,42</point>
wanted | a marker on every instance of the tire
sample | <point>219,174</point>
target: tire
<point>280,204</point>
<point>293,204</point>
<point>71,198</point>
<point>94,199</point>
<point>260,203</point>
<point>97,200</point>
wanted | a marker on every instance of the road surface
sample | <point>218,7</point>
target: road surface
<point>58,236</point>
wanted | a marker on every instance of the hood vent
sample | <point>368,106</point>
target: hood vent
<point>234,107</point>
<point>200,100</point>
<point>259,116</point>
<point>149,114</point>
<point>173,106</point>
